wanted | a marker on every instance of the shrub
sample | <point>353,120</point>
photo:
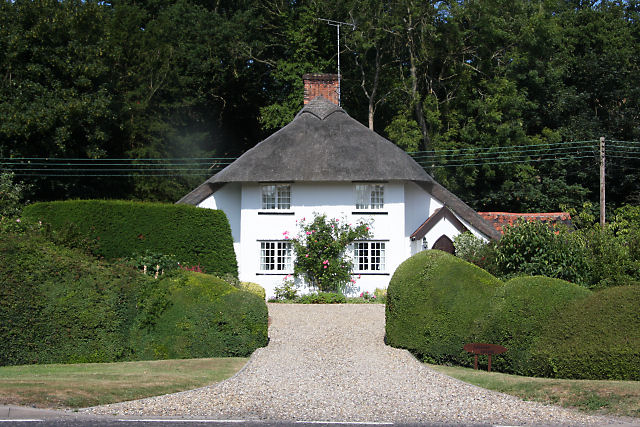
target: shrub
<point>520,310</point>
<point>593,338</point>
<point>534,248</point>
<point>322,298</point>
<point>476,251</point>
<point>320,253</point>
<point>381,295</point>
<point>608,258</point>
<point>58,305</point>
<point>189,314</point>
<point>123,229</point>
<point>11,196</point>
<point>254,288</point>
<point>434,302</point>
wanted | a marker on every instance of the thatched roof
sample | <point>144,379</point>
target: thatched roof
<point>323,143</point>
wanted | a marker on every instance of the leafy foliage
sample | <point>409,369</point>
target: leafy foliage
<point>141,80</point>
<point>188,315</point>
<point>591,256</point>
<point>124,229</point>
<point>59,305</point>
<point>11,196</point>
<point>535,248</point>
<point>320,249</point>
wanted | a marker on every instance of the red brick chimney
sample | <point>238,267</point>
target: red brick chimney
<point>325,85</point>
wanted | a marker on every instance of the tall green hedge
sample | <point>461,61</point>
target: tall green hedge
<point>434,301</point>
<point>551,328</point>
<point>59,305</point>
<point>594,338</point>
<point>520,310</point>
<point>125,229</point>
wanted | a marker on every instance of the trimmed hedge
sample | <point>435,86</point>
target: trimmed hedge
<point>434,301</point>
<point>551,328</point>
<point>197,315</point>
<point>594,338</point>
<point>126,229</point>
<point>59,305</point>
<point>521,309</point>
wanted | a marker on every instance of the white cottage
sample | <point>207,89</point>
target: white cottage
<point>324,161</point>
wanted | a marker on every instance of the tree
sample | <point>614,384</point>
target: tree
<point>320,249</point>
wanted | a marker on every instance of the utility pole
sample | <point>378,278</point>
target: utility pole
<point>602,182</point>
<point>337,24</point>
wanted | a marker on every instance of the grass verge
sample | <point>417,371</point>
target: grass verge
<point>90,384</point>
<point>618,398</point>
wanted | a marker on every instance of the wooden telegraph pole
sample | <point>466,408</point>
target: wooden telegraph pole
<point>602,182</point>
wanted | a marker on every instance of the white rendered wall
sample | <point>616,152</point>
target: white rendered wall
<point>406,207</point>
<point>227,199</point>
<point>418,203</point>
<point>336,200</point>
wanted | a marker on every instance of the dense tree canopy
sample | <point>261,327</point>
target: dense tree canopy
<point>493,97</point>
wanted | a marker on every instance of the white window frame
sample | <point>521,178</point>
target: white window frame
<point>279,199</point>
<point>276,256</point>
<point>369,196</point>
<point>369,256</point>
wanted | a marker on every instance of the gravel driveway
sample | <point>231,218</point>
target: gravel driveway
<point>329,363</point>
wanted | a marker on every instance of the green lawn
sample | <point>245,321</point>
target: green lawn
<point>89,384</point>
<point>619,398</point>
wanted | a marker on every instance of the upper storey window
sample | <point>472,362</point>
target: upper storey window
<point>277,196</point>
<point>369,196</point>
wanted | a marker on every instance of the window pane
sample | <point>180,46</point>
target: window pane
<point>267,256</point>
<point>377,196</point>
<point>284,196</point>
<point>276,256</point>
<point>268,197</point>
<point>362,196</point>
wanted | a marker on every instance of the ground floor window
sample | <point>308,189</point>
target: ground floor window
<point>369,256</point>
<point>276,256</point>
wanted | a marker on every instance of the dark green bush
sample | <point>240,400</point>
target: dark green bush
<point>123,229</point>
<point>434,303</point>
<point>593,338</point>
<point>534,248</point>
<point>59,305</point>
<point>520,310</point>
<point>191,314</point>
<point>322,298</point>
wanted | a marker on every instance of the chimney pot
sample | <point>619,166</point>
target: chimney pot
<point>325,85</point>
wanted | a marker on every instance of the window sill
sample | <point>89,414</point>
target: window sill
<point>369,213</point>
<point>273,274</point>
<point>276,213</point>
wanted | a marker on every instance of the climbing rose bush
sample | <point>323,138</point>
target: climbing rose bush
<point>320,249</point>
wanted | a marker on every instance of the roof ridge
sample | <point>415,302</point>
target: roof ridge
<point>321,108</point>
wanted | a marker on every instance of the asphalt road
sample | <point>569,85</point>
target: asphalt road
<point>27,417</point>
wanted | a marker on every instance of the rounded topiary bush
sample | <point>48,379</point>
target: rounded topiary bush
<point>191,314</point>
<point>593,338</point>
<point>434,302</point>
<point>521,309</point>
